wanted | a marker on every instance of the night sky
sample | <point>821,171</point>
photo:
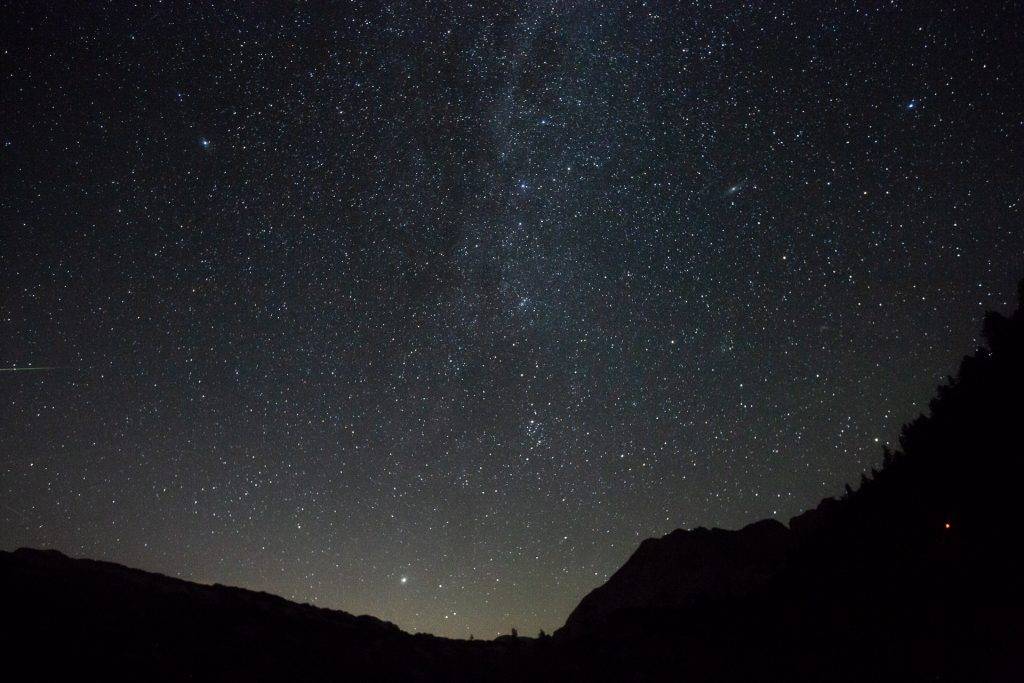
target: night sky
<point>434,312</point>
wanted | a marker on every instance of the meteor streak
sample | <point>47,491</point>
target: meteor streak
<point>36,368</point>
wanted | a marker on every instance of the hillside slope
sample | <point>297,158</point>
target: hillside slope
<point>915,575</point>
<point>101,621</point>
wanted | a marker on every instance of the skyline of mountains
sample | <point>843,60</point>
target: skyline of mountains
<point>912,575</point>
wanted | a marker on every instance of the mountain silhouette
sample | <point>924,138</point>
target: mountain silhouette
<point>87,620</point>
<point>915,575</point>
<point>686,568</point>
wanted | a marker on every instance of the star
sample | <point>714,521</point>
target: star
<point>446,295</point>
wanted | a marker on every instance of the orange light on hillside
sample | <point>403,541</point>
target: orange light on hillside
<point>947,525</point>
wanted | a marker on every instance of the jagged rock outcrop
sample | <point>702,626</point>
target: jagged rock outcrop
<point>687,567</point>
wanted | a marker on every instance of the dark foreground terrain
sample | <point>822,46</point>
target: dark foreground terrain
<point>914,576</point>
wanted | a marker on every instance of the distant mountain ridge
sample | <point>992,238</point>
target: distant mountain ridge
<point>103,621</point>
<point>94,575</point>
<point>914,576</point>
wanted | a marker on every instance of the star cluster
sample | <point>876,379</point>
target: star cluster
<point>435,310</point>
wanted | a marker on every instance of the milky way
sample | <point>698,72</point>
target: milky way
<point>435,311</point>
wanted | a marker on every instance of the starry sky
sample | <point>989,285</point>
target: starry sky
<point>434,311</point>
